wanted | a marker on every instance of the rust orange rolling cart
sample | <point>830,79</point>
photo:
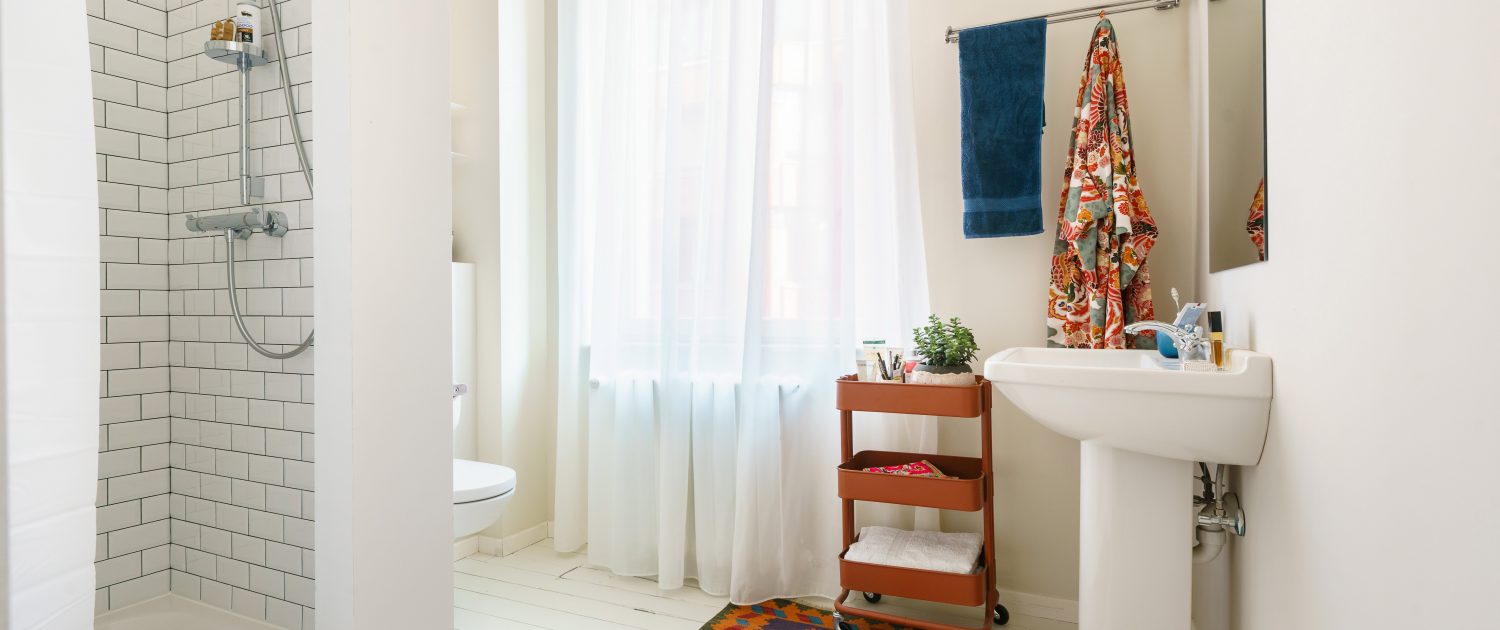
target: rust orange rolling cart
<point>970,488</point>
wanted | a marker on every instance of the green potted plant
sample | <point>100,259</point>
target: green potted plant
<point>946,349</point>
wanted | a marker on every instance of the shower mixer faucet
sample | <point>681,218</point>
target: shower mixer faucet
<point>242,224</point>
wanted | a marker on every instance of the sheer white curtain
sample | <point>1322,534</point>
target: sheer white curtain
<point>738,209</point>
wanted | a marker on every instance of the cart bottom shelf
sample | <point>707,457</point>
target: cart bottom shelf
<point>920,615</point>
<point>962,589</point>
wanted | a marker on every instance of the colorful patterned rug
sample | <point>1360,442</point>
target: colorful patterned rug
<point>785,614</point>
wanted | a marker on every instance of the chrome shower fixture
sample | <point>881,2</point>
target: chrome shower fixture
<point>241,224</point>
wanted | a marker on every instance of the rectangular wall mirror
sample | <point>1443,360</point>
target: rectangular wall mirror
<point>1236,133</point>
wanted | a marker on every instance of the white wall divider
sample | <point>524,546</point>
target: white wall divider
<point>49,326</point>
<point>384,528</point>
<point>1364,422</point>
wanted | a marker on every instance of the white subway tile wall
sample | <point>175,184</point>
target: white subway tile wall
<point>206,447</point>
<point>133,549</point>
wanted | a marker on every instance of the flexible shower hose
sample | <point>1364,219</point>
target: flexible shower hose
<point>291,112</point>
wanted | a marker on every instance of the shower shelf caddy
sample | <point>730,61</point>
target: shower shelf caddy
<point>970,488</point>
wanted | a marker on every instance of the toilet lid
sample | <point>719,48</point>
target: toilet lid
<point>477,481</point>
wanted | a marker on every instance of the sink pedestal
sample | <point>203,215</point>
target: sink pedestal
<point>1135,537</point>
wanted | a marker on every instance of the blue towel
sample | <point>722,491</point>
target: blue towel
<point>1001,70</point>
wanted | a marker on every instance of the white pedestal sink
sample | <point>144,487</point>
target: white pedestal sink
<point>1142,425</point>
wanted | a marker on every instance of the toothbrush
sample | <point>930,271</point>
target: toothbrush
<point>1175,299</point>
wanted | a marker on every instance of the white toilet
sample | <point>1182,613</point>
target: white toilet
<point>480,492</point>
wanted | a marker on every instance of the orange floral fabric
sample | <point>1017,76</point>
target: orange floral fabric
<point>1256,225</point>
<point>1100,281</point>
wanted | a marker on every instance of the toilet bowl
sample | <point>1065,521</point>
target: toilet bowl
<point>480,492</point>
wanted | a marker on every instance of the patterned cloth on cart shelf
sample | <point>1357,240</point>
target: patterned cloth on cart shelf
<point>932,551</point>
<point>921,468</point>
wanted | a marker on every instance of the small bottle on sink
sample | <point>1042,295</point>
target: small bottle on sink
<point>1216,337</point>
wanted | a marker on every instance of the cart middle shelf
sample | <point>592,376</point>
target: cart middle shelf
<point>962,490</point>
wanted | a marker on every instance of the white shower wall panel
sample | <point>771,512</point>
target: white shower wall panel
<point>206,484</point>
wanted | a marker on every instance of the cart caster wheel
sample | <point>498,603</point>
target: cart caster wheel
<point>1002,616</point>
<point>873,598</point>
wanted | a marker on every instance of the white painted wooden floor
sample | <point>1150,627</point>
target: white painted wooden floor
<point>537,587</point>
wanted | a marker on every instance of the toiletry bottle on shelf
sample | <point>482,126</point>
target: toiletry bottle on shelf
<point>869,352</point>
<point>247,22</point>
<point>243,31</point>
<point>1216,336</point>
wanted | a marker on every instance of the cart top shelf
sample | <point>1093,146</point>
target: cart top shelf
<point>958,401</point>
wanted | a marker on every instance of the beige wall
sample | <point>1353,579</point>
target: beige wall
<point>501,65</point>
<point>998,286</point>
<point>1373,505</point>
<point>528,314</point>
<point>474,71</point>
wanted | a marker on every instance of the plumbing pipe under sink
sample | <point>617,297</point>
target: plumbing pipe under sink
<point>1210,598</point>
<point>1211,541</point>
<point>1208,533</point>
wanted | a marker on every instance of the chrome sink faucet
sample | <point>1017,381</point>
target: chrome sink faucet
<point>1189,340</point>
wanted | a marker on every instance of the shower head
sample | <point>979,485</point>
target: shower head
<point>272,222</point>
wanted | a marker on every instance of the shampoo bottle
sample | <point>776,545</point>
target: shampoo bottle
<point>247,22</point>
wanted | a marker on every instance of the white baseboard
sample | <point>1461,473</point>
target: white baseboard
<point>515,542</point>
<point>1039,606</point>
<point>465,548</point>
<point>524,538</point>
<point>489,545</point>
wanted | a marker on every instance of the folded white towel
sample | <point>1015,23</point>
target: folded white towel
<point>933,551</point>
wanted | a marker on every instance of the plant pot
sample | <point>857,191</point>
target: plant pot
<point>944,369</point>
<point>924,374</point>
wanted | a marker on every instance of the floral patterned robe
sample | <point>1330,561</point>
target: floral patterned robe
<point>1256,225</point>
<point>1104,230</point>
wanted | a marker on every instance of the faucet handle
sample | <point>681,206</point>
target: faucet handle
<point>1199,344</point>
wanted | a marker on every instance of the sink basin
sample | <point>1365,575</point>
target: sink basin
<point>1141,423</point>
<point>1138,401</point>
